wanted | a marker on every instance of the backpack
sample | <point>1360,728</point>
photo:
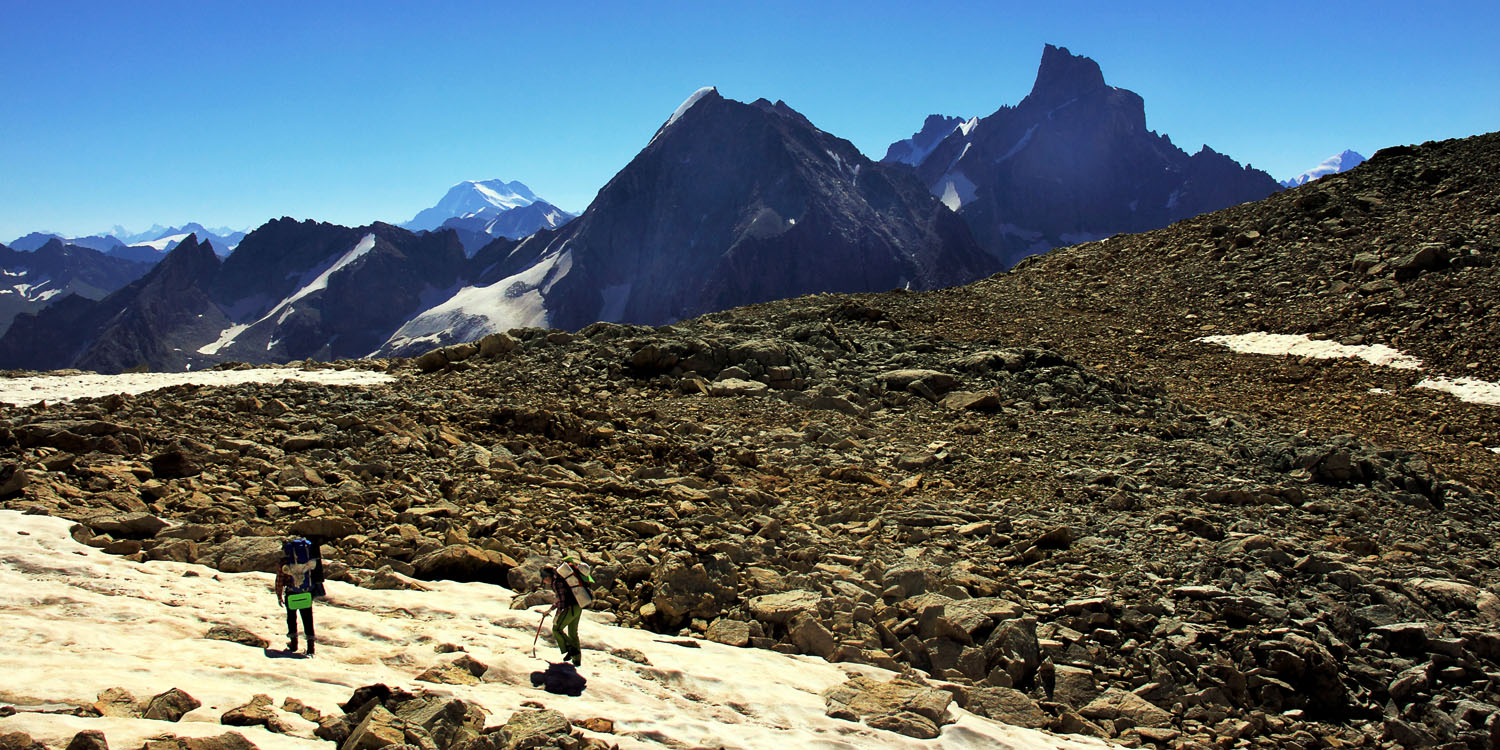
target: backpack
<point>300,564</point>
<point>572,576</point>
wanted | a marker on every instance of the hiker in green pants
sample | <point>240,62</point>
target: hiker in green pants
<point>567,582</point>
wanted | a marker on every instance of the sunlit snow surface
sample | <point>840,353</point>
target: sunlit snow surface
<point>78,621</point>
<point>1301,346</point>
<point>1466,389</point>
<point>31,390</point>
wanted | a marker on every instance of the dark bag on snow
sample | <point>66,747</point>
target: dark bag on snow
<point>561,678</point>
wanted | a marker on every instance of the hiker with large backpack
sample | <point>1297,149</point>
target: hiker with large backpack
<point>298,581</point>
<point>570,583</point>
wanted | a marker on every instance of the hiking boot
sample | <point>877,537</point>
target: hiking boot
<point>291,647</point>
<point>310,649</point>
<point>576,657</point>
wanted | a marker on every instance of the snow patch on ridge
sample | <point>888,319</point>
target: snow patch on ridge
<point>35,389</point>
<point>1471,390</point>
<point>284,309</point>
<point>515,301</point>
<point>954,190</point>
<point>682,109</point>
<point>1466,389</point>
<point>1302,346</point>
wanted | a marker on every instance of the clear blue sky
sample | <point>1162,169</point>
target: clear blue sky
<point>232,113</point>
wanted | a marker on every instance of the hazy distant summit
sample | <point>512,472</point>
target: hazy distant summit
<point>1342,162</point>
<point>484,210</point>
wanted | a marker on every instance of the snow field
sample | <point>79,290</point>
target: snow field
<point>79,621</point>
<point>35,389</point>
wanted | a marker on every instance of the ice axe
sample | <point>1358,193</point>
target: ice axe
<point>538,632</point>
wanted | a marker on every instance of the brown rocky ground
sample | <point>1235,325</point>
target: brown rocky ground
<point>1037,490</point>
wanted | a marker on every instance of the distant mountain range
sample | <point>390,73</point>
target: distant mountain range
<point>483,211</point>
<point>1072,162</point>
<point>729,203</point>
<point>31,280</point>
<point>148,247</point>
<point>1342,162</point>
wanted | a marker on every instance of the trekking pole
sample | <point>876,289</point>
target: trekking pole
<point>538,635</point>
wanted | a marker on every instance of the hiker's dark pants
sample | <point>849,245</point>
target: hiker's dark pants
<point>307,627</point>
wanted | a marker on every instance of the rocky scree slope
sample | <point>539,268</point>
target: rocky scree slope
<point>1056,546</point>
<point>1400,251</point>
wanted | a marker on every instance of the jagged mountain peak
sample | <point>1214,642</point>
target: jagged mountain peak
<point>710,93</point>
<point>1063,76</point>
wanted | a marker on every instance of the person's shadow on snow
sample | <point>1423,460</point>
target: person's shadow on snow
<point>273,653</point>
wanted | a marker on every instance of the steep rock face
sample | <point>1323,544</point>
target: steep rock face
<point>303,289</point>
<point>144,323</point>
<point>730,203</point>
<point>914,150</point>
<point>33,280</point>
<point>1074,161</point>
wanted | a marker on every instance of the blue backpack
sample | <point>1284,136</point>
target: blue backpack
<point>301,565</point>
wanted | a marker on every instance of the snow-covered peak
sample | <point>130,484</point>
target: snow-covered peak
<point>472,198</point>
<point>686,105</point>
<point>1341,162</point>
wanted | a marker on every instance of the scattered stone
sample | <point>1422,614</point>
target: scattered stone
<point>171,705</point>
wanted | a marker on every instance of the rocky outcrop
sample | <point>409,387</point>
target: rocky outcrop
<point>1073,160</point>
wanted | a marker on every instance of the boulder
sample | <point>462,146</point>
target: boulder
<point>901,380</point>
<point>19,741</point>
<point>737,387</point>
<point>1013,647</point>
<point>685,586</point>
<point>1119,704</point>
<point>1008,705</point>
<point>226,741</point>
<point>235,634</point>
<point>244,554</point>
<point>464,562</point>
<point>1073,686</point>
<point>117,702</point>
<point>781,607</point>
<point>810,637</point>
<point>259,712</point>
<point>380,728</point>
<point>966,401</point>
<point>533,729</point>
<point>126,525</point>
<point>89,739</point>
<point>901,705</point>
<point>729,632</point>
<point>496,344</point>
<point>324,528</point>
<point>171,705</point>
<point>448,674</point>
